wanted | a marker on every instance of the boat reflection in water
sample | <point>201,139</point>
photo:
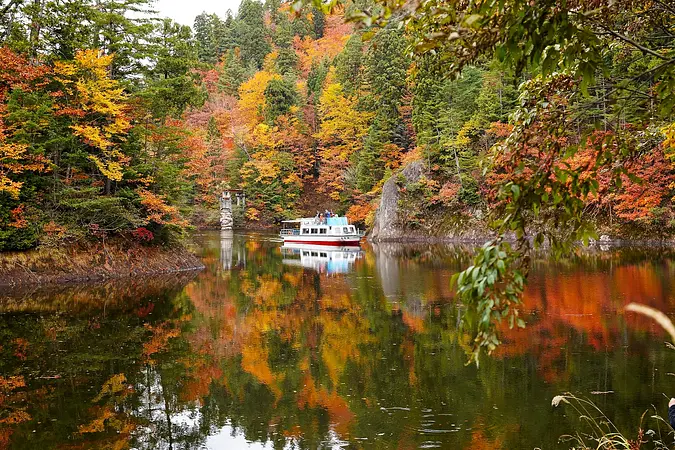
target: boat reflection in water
<point>328,260</point>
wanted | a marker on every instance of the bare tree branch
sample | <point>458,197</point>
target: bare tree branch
<point>635,44</point>
<point>666,6</point>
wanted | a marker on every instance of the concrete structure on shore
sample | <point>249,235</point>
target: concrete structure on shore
<point>226,219</point>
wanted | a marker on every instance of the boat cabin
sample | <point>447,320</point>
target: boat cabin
<point>332,226</point>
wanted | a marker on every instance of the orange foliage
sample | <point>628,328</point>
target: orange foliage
<point>17,73</point>
<point>17,218</point>
<point>11,414</point>
<point>637,201</point>
<point>158,210</point>
<point>311,396</point>
<point>336,35</point>
<point>589,303</point>
<point>359,213</point>
<point>160,339</point>
<point>254,361</point>
<point>447,194</point>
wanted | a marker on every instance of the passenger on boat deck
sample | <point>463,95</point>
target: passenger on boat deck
<point>327,214</point>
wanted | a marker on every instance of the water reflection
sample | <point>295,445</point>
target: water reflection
<point>322,259</point>
<point>270,347</point>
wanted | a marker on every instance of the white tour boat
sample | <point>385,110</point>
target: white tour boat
<point>335,231</point>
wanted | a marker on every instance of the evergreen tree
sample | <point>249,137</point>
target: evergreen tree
<point>386,66</point>
<point>250,32</point>
<point>204,37</point>
<point>171,84</point>
<point>287,60</point>
<point>232,73</point>
<point>222,35</point>
<point>319,22</point>
<point>349,65</point>
<point>120,28</point>
<point>280,96</point>
<point>316,77</point>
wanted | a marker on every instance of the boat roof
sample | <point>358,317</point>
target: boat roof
<point>330,221</point>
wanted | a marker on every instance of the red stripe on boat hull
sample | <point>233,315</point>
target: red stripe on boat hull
<point>333,243</point>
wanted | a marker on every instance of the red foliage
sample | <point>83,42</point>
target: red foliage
<point>143,234</point>
<point>637,201</point>
<point>210,80</point>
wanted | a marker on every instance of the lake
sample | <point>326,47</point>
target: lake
<point>318,349</point>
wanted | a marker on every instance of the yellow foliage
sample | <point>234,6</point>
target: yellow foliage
<point>251,103</point>
<point>669,143</point>
<point>270,61</point>
<point>254,359</point>
<point>15,160</point>
<point>98,106</point>
<point>252,214</point>
<point>265,169</point>
<point>114,386</point>
<point>263,135</point>
<point>341,123</point>
<point>340,134</point>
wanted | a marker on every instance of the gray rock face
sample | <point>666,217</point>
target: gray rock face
<point>386,217</point>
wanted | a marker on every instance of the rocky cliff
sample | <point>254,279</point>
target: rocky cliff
<point>386,225</point>
<point>393,216</point>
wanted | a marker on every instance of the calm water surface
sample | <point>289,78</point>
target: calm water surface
<point>275,348</point>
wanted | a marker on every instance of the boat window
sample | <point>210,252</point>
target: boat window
<point>305,253</point>
<point>322,231</point>
<point>323,255</point>
<point>351,229</point>
<point>314,231</point>
<point>345,230</point>
<point>315,254</point>
<point>305,231</point>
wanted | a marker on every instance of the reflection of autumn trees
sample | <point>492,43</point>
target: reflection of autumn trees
<point>569,304</point>
<point>317,353</point>
<point>73,374</point>
<point>287,329</point>
<point>283,354</point>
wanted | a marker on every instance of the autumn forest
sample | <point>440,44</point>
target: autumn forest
<point>115,122</point>
<point>539,136</point>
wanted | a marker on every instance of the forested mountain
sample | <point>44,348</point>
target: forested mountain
<point>114,122</point>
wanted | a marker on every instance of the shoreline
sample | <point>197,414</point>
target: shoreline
<point>96,263</point>
<point>478,237</point>
<point>449,239</point>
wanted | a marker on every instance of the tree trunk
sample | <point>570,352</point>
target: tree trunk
<point>35,27</point>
